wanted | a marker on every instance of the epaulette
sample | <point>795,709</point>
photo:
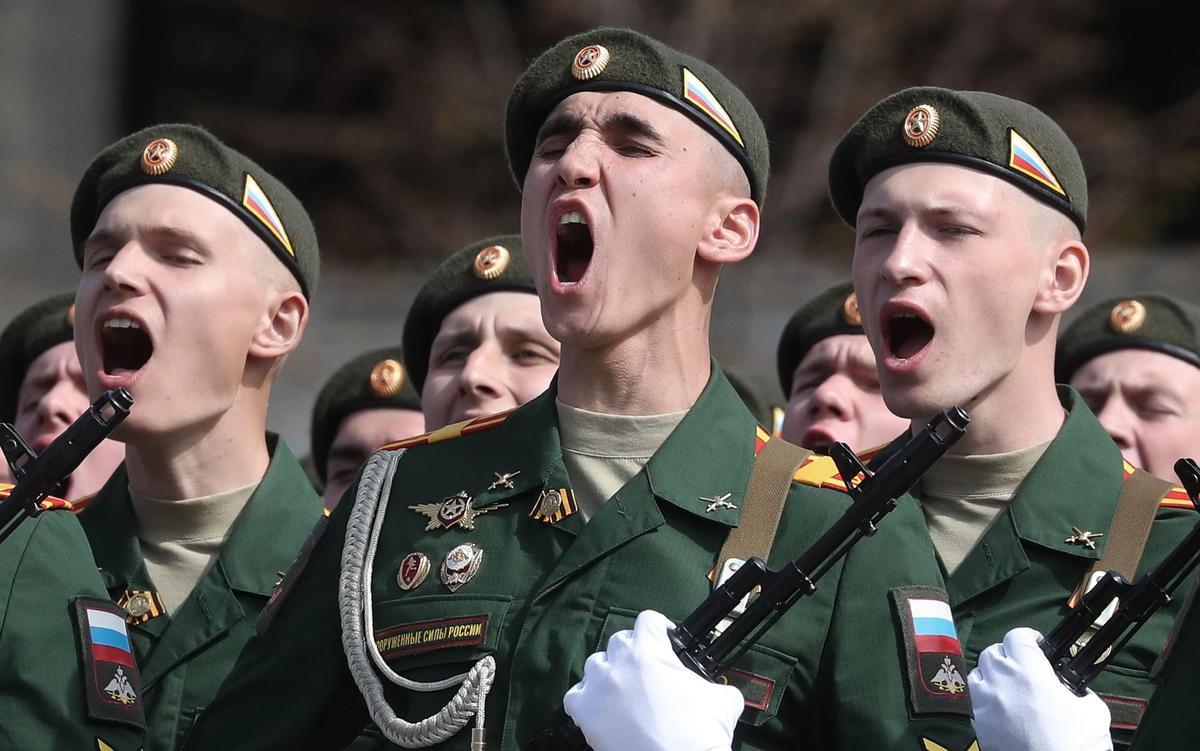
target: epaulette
<point>79,504</point>
<point>1176,497</point>
<point>49,503</point>
<point>454,430</point>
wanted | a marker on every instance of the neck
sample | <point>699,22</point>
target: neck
<point>230,454</point>
<point>650,373</point>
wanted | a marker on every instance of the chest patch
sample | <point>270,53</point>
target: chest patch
<point>427,636</point>
<point>110,675</point>
<point>934,660</point>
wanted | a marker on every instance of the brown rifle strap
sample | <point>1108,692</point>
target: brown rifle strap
<point>762,508</point>
<point>1130,528</point>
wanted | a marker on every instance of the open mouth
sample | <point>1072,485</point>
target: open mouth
<point>906,334</point>
<point>573,248</point>
<point>124,345</point>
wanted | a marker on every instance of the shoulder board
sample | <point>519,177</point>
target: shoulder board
<point>1176,497</point>
<point>761,436</point>
<point>819,471</point>
<point>455,430</point>
<point>79,504</point>
<point>49,503</point>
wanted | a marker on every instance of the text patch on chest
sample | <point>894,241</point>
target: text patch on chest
<point>427,636</point>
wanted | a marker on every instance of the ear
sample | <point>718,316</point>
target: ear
<point>1067,267</point>
<point>282,326</point>
<point>733,234</point>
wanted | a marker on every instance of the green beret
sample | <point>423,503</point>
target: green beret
<point>609,59</point>
<point>833,312</point>
<point>373,380</point>
<point>1001,136</point>
<point>34,330</point>
<point>1145,321</point>
<point>496,264</point>
<point>191,157</point>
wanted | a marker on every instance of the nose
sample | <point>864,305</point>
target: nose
<point>907,261</point>
<point>480,379</point>
<point>830,400</point>
<point>1118,423</point>
<point>61,404</point>
<point>123,270</point>
<point>579,167</point>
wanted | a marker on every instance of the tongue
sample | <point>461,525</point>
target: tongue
<point>909,336</point>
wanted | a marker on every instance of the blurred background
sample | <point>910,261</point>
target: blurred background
<point>385,117</point>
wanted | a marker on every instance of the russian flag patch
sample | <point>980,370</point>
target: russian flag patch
<point>110,675</point>
<point>699,95</point>
<point>1025,159</point>
<point>256,202</point>
<point>936,669</point>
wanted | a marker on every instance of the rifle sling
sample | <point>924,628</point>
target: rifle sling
<point>762,507</point>
<point>1130,528</point>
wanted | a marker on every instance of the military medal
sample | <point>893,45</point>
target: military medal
<point>921,126</point>
<point>140,605</point>
<point>159,157</point>
<point>1127,316</point>
<point>1079,537</point>
<point>553,506</point>
<point>460,565</point>
<point>503,480</point>
<point>413,570</point>
<point>454,509</point>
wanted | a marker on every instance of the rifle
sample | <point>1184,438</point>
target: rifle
<point>35,476</point>
<point>873,495</point>
<point>1137,601</point>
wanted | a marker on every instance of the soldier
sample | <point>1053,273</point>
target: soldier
<point>368,402</point>
<point>827,369</point>
<point>474,340</point>
<point>1135,360</point>
<point>197,270</point>
<point>42,390</point>
<point>512,546</point>
<point>969,210</point>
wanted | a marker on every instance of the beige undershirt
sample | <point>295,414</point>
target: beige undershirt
<point>963,495</point>
<point>602,452</point>
<point>180,539</point>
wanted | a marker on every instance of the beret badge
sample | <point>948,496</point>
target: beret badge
<point>921,126</point>
<point>850,310</point>
<point>159,157</point>
<point>491,262</point>
<point>590,62</point>
<point>387,378</point>
<point>1127,316</point>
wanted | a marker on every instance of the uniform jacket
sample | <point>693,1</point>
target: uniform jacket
<point>185,655</point>
<point>831,674</point>
<point>1023,571</point>
<point>44,565</point>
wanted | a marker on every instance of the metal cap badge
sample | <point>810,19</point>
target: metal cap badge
<point>921,126</point>
<point>159,156</point>
<point>590,62</point>
<point>491,262</point>
<point>850,310</point>
<point>1127,316</point>
<point>387,378</point>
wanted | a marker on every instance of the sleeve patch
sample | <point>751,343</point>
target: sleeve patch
<point>112,684</point>
<point>934,661</point>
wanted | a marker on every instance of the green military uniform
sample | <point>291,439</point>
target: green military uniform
<point>552,589</point>
<point>46,698</point>
<point>185,655</point>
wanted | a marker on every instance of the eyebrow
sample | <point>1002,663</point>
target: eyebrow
<point>466,337</point>
<point>174,235</point>
<point>567,123</point>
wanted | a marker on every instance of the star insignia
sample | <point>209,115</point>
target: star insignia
<point>1079,537</point>
<point>453,510</point>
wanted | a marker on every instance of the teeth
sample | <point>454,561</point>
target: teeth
<point>905,315</point>
<point>121,323</point>
<point>572,217</point>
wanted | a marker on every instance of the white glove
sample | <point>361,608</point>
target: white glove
<point>638,696</point>
<point>1021,705</point>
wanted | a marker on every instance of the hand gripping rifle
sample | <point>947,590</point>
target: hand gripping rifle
<point>1137,601</point>
<point>873,495</point>
<point>39,476</point>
